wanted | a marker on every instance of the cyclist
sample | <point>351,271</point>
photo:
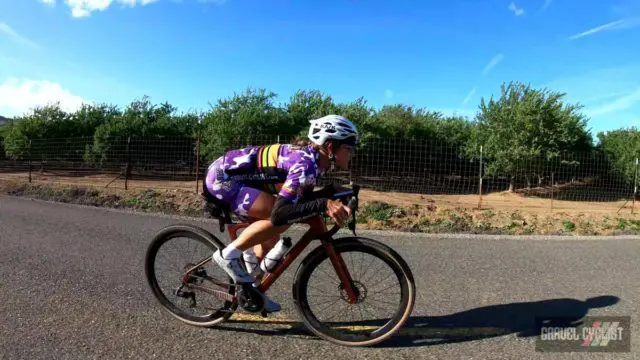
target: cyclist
<point>271,186</point>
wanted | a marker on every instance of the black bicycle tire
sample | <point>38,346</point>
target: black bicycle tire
<point>198,234</point>
<point>390,256</point>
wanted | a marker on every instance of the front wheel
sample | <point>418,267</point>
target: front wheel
<point>384,287</point>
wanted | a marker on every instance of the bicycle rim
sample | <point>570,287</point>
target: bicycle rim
<point>214,310</point>
<point>366,279</point>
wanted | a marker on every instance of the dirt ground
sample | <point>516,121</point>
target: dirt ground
<point>495,201</point>
<point>501,212</point>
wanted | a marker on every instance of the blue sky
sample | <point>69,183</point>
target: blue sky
<point>442,55</point>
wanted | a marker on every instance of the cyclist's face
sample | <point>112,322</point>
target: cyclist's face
<point>343,156</point>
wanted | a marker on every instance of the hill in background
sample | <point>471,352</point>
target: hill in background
<point>3,120</point>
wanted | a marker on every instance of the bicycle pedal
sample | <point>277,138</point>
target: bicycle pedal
<point>250,299</point>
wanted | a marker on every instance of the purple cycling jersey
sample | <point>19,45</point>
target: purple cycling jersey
<point>296,167</point>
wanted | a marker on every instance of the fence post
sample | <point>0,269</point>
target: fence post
<point>480,182</point>
<point>126,170</point>
<point>552,185</point>
<point>635,189</point>
<point>29,154</point>
<point>197,162</point>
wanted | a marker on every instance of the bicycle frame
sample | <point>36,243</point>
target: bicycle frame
<point>241,298</point>
<point>317,230</point>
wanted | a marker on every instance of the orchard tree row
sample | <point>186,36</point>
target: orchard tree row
<point>516,129</point>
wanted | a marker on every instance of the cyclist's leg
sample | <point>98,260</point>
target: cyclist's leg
<point>260,209</point>
<point>250,205</point>
<point>255,206</point>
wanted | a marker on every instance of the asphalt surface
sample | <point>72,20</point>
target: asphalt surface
<point>73,287</point>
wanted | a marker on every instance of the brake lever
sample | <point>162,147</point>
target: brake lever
<point>352,225</point>
<point>353,205</point>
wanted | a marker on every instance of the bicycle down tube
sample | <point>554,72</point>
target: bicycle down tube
<point>317,226</point>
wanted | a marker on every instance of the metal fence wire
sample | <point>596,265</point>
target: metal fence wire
<point>391,164</point>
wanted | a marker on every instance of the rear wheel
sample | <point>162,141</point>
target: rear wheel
<point>383,282</point>
<point>195,291</point>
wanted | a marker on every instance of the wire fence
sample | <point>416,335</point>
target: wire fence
<point>389,165</point>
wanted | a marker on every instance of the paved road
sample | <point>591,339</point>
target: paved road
<point>73,287</point>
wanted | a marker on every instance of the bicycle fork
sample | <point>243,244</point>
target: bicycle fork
<point>342,271</point>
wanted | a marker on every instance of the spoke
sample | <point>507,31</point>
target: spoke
<point>326,307</point>
<point>324,302</point>
<point>367,268</point>
<point>380,266</point>
<point>322,291</point>
<point>388,287</point>
<point>171,261</point>
<point>331,317</point>
<point>382,281</point>
<point>384,302</point>
<point>328,275</point>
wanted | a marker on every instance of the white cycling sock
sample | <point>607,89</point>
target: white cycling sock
<point>250,260</point>
<point>231,252</point>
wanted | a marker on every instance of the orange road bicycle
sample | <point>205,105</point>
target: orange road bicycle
<point>348,295</point>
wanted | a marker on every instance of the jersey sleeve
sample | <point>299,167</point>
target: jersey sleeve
<point>301,176</point>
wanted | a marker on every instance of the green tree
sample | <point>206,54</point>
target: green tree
<point>404,121</point>
<point>145,133</point>
<point>621,148</point>
<point>306,105</point>
<point>455,132</point>
<point>54,134</point>
<point>244,119</point>
<point>527,129</point>
<point>38,134</point>
<point>4,129</point>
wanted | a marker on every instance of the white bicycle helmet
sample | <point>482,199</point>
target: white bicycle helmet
<point>333,127</point>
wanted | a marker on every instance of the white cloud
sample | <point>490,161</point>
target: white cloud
<point>8,31</point>
<point>468,97</point>
<point>84,8</point>
<point>515,9</point>
<point>610,96</point>
<point>614,25</point>
<point>622,103</point>
<point>492,63</point>
<point>603,96</point>
<point>597,82</point>
<point>18,96</point>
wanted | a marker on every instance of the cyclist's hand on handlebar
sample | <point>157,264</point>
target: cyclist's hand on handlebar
<point>338,211</point>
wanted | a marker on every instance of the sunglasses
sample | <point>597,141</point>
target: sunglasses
<point>349,148</point>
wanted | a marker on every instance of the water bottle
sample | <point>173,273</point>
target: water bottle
<point>274,256</point>
<point>251,262</point>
